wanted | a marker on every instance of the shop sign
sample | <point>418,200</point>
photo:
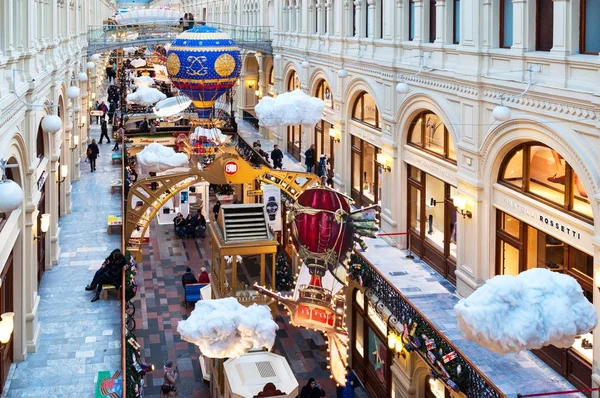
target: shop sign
<point>96,113</point>
<point>231,168</point>
<point>167,141</point>
<point>41,180</point>
<point>550,221</point>
<point>254,192</point>
<point>443,173</point>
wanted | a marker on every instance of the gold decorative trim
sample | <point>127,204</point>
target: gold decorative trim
<point>203,48</point>
<point>224,80</point>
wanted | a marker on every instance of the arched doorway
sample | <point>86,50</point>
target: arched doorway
<point>541,210</point>
<point>324,141</point>
<point>294,133</point>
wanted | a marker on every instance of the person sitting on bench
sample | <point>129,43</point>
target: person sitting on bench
<point>188,278</point>
<point>200,223</point>
<point>108,274</point>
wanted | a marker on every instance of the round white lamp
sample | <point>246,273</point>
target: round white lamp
<point>90,65</point>
<point>95,57</point>
<point>73,92</point>
<point>342,73</point>
<point>82,77</point>
<point>402,88</point>
<point>11,195</point>
<point>305,64</point>
<point>277,57</point>
<point>51,123</point>
<point>501,113</point>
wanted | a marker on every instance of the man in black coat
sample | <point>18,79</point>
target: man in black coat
<point>188,278</point>
<point>104,130</point>
<point>92,154</point>
<point>310,158</point>
<point>277,157</point>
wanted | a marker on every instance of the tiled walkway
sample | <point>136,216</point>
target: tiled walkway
<point>160,306</point>
<point>77,338</point>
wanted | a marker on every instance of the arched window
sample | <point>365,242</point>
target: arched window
<point>537,170</point>
<point>365,110</point>
<point>272,76</point>
<point>316,16</point>
<point>293,81</point>
<point>430,134</point>
<point>324,92</point>
<point>39,143</point>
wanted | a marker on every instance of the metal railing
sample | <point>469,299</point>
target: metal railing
<point>105,37</point>
<point>403,312</point>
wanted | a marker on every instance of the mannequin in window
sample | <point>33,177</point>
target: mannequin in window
<point>559,176</point>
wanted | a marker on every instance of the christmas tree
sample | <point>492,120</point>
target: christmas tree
<point>283,273</point>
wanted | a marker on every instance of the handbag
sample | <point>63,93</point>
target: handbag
<point>166,388</point>
<point>89,152</point>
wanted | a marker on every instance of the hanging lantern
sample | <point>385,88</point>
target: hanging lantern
<point>51,123</point>
<point>73,92</point>
<point>82,77</point>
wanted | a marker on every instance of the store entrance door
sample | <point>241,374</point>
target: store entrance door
<point>6,305</point>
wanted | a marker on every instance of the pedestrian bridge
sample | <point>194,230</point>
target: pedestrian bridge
<point>104,38</point>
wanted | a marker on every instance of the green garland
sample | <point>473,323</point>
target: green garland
<point>454,372</point>
<point>283,273</point>
<point>130,274</point>
<point>132,357</point>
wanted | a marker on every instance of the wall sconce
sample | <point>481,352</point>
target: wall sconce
<point>7,326</point>
<point>64,172</point>
<point>93,96</point>
<point>395,344</point>
<point>257,93</point>
<point>44,225</point>
<point>460,202</point>
<point>251,84</point>
<point>75,142</point>
<point>335,135</point>
<point>384,162</point>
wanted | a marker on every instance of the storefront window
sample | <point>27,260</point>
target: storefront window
<point>293,82</point>
<point>547,176</point>
<point>428,132</point>
<point>510,224</point>
<point>509,259</point>
<point>294,133</point>
<point>360,335</point>
<point>366,176</point>
<point>365,110</point>
<point>272,76</point>
<point>414,208</point>
<point>434,211</point>
<point>377,356</point>
<point>583,263</point>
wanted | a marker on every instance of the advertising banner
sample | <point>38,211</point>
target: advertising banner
<point>272,201</point>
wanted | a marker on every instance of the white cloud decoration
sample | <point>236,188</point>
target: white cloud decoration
<point>143,81</point>
<point>157,158</point>
<point>536,308</point>
<point>145,96</point>
<point>224,328</point>
<point>294,107</point>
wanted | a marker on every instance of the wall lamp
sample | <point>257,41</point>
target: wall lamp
<point>44,225</point>
<point>64,172</point>
<point>460,202</point>
<point>75,142</point>
<point>251,84</point>
<point>395,344</point>
<point>384,162</point>
<point>335,135</point>
<point>7,326</point>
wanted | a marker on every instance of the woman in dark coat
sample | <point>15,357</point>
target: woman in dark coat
<point>92,154</point>
<point>112,274</point>
<point>312,390</point>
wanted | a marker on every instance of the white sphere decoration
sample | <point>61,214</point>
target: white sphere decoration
<point>95,57</point>
<point>82,77</point>
<point>90,65</point>
<point>277,57</point>
<point>73,92</point>
<point>501,113</point>
<point>342,73</point>
<point>402,88</point>
<point>305,64</point>
<point>51,123</point>
<point>11,196</point>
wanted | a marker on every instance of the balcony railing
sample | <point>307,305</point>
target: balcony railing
<point>459,373</point>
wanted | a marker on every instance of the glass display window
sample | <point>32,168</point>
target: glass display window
<point>294,141</point>
<point>324,93</point>
<point>429,133</point>
<point>365,110</point>
<point>434,211</point>
<point>540,171</point>
<point>377,356</point>
<point>365,176</point>
<point>293,81</point>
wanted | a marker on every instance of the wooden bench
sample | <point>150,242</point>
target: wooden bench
<point>116,157</point>
<point>192,292</point>
<point>116,185</point>
<point>106,288</point>
<point>114,224</point>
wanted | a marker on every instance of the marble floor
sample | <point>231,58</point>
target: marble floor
<point>78,338</point>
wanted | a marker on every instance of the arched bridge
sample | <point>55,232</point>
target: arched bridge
<point>111,37</point>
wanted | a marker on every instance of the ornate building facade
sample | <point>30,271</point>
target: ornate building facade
<point>42,50</point>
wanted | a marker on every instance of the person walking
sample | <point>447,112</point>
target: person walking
<point>104,131</point>
<point>309,158</point>
<point>203,276</point>
<point>216,209</point>
<point>119,138</point>
<point>312,390</point>
<point>277,157</point>
<point>169,386</point>
<point>92,154</point>
<point>188,278</point>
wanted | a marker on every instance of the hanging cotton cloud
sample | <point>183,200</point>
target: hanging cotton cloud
<point>295,107</point>
<point>138,63</point>
<point>536,308</point>
<point>145,96</point>
<point>156,158</point>
<point>143,81</point>
<point>224,328</point>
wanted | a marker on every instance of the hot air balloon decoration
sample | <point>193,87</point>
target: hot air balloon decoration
<point>203,63</point>
<point>324,229</point>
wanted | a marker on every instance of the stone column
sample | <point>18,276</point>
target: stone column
<point>329,18</point>
<point>440,23</point>
<point>520,25</point>
<point>563,28</point>
<point>357,18</point>
<point>76,172</point>
<point>298,21</point>
<point>419,25</point>
<point>372,18</point>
